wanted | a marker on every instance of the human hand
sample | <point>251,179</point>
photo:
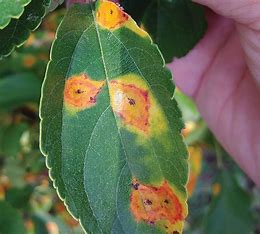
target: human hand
<point>222,75</point>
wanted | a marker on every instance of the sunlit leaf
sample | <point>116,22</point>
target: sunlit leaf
<point>18,30</point>
<point>11,9</point>
<point>10,219</point>
<point>187,106</point>
<point>110,128</point>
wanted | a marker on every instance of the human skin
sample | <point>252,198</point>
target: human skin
<point>222,75</point>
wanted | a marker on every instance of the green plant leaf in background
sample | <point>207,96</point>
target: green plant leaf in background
<point>230,210</point>
<point>18,30</point>
<point>19,197</point>
<point>10,141</point>
<point>10,220</point>
<point>46,224</point>
<point>175,25</point>
<point>16,90</point>
<point>11,9</point>
<point>110,128</point>
<point>135,8</point>
<point>53,5</point>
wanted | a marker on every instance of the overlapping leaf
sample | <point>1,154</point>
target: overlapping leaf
<point>175,25</point>
<point>110,128</point>
<point>18,30</point>
<point>11,9</point>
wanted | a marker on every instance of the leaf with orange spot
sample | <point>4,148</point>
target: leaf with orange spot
<point>80,92</point>
<point>107,116</point>
<point>131,104</point>
<point>110,16</point>
<point>155,205</point>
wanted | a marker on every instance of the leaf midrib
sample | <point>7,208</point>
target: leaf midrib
<point>107,80</point>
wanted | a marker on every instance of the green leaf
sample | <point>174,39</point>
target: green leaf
<point>11,221</point>
<point>53,5</point>
<point>187,106</point>
<point>44,220</point>
<point>230,210</point>
<point>19,197</point>
<point>135,8</point>
<point>15,172</point>
<point>16,90</point>
<point>11,9</point>
<point>10,144</point>
<point>18,30</point>
<point>175,25</point>
<point>110,128</point>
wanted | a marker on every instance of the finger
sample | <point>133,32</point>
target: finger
<point>243,11</point>
<point>246,13</point>
<point>226,96</point>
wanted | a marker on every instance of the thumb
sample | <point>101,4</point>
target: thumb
<point>246,14</point>
<point>242,11</point>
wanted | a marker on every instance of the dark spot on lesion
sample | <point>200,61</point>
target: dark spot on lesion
<point>111,12</point>
<point>79,91</point>
<point>151,222</point>
<point>92,99</point>
<point>135,185</point>
<point>166,201</point>
<point>175,232</point>
<point>148,202</point>
<point>131,101</point>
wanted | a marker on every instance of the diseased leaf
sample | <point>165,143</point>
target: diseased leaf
<point>110,128</point>
<point>10,220</point>
<point>18,30</point>
<point>11,9</point>
<point>230,208</point>
<point>175,25</point>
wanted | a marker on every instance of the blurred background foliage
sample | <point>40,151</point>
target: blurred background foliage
<point>222,198</point>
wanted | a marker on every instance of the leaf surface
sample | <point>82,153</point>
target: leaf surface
<point>175,25</point>
<point>230,208</point>
<point>11,9</point>
<point>10,144</point>
<point>18,30</point>
<point>110,128</point>
<point>54,4</point>
<point>11,220</point>
<point>18,89</point>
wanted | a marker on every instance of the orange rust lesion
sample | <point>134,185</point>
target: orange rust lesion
<point>157,205</point>
<point>110,16</point>
<point>81,92</point>
<point>131,104</point>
